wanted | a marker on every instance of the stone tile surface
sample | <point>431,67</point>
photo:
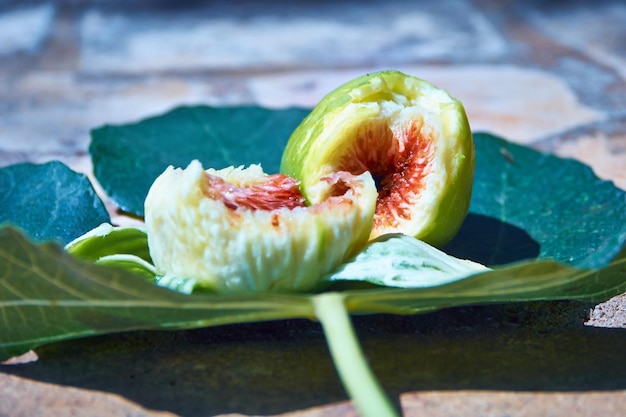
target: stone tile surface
<point>487,404</point>
<point>38,19</point>
<point>551,75</point>
<point>552,107</point>
<point>234,36</point>
<point>46,399</point>
<point>593,34</point>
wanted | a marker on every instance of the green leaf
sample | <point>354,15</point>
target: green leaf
<point>131,263</point>
<point>47,295</point>
<point>396,260</point>
<point>107,240</point>
<point>49,201</point>
<point>128,158</point>
<point>539,205</point>
<point>124,247</point>
<point>525,281</point>
<point>180,284</point>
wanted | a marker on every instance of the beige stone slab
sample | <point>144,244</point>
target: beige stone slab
<point>517,103</point>
<point>520,104</point>
<point>491,404</point>
<point>601,42</point>
<point>38,20</point>
<point>334,34</point>
<point>607,155</point>
<point>611,313</point>
<point>515,404</point>
<point>20,397</point>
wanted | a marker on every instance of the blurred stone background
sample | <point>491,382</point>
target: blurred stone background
<point>551,75</point>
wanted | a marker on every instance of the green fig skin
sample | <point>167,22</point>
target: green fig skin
<point>393,101</point>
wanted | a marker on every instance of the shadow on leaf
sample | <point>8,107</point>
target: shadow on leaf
<point>491,242</point>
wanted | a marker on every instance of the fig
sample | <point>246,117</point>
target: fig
<point>414,139</point>
<point>239,229</point>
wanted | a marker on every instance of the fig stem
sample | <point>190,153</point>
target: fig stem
<point>357,377</point>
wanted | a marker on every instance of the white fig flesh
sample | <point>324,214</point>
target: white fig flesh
<point>240,229</point>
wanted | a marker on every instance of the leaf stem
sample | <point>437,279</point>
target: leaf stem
<point>358,379</point>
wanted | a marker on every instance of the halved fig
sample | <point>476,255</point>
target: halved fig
<point>239,229</point>
<point>413,137</point>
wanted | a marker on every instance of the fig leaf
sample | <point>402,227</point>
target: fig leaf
<point>47,295</point>
<point>396,260</point>
<point>128,158</point>
<point>107,240</point>
<point>49,201</point>
<point>570,215</point>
